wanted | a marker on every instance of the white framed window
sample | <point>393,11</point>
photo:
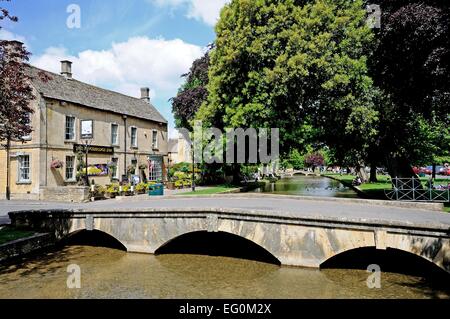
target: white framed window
<point>134,142</point>
<point>154,139</point>
<point>70,168</point>
<point>155,168</point>
<point>114,134</point>
<point>24,171</point>
<point>70,128</point>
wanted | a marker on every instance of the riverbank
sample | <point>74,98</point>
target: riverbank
<point>17,243</point>
<point>377,190</point>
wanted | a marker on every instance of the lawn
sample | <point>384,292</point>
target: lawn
<point>210,191</point>
<point>8,234</point>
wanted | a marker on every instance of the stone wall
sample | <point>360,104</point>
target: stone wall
<point>24,246</point>
<point>75,194</point>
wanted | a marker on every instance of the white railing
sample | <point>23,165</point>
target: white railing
<point>413,189</point>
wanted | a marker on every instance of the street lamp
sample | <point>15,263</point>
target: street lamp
<point>193,167</point>
<point>87,143</point>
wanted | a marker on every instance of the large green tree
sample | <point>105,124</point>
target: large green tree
<point>294,65</point>
<point>411,65</point>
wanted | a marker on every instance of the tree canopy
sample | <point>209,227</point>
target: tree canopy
<point>294,65</point>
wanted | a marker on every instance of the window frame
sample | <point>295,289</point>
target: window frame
<point>28,137</point>
<point>155,145</point>
<point>73,179</point>
<point>19,169</point>
<point>74,128</point>
<point>116,143</point>
<point>135,144</point>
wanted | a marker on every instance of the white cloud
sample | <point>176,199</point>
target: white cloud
<point>127,66</point>
<point>9,36</point>
<point>207,11</point>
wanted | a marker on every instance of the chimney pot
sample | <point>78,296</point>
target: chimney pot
<point>145,94</point>
<point>66,69</point>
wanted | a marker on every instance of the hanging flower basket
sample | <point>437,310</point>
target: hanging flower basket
<point>56,164</point>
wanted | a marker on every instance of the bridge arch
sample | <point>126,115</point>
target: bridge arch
<point>220,243</point>
<point>390,260</point>
<point>95,237</point>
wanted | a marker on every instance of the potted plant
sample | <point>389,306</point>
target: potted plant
<point>141,188</point>
<point>112,190</point>
<point>131,169</point>
<point>56,164</point>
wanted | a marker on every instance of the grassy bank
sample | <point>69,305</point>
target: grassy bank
<point>209,191</point>
<point>8,234</point>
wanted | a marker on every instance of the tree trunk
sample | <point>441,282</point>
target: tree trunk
<point>361,172</point>
<point>400,167</point>
<point>8,164</point>
<point>373,174</point>
<point>433,176</point>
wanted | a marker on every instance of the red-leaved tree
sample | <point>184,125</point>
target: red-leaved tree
<point>15,93</point>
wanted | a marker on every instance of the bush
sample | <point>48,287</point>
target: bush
<point>112,189</point>
<point>180,175</point>
<point>99,191</point>
<point>178,184</point>
<point>141,188</point>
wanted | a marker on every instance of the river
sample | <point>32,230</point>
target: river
<point>308,186</point>
<point>110,273</point>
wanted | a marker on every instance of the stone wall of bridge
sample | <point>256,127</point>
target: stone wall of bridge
<point>293,241</point>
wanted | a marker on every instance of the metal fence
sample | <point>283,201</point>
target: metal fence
<point>413,189</point>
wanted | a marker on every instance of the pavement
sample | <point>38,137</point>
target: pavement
<point>338,209</point>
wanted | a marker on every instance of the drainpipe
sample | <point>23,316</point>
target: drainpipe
<point>125,143</point>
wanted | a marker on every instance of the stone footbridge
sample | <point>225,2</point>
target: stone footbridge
<point>297,231</point>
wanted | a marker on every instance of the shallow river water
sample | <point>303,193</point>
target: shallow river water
<point>110,273</point>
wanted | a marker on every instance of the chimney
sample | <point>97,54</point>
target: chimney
<point>145,94</point>
<point>66,69</point>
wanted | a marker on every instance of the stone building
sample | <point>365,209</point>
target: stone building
<point>127,139</point>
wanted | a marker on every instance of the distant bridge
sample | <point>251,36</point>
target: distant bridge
<point>296,231</point>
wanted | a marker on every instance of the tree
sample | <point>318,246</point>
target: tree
<point>314,160</point>
<point>290,64</point>
<point>4,14</point>
<point>411,66</point>
<point>15,96</point>
<point>192,94</point>
<point>15,93</point>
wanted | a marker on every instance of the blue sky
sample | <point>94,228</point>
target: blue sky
<point>120,45</point>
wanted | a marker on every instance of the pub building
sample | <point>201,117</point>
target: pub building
<point>126,139</point>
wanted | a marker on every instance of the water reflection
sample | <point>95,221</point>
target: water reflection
<point>308,186</point>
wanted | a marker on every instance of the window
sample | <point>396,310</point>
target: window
<point>27,122</point>
<point>24,169</point>
<point>114,134</point>
<point>115,168</point>
<point>155,139</point>
<point>133,137</point>
<point>155,168</point>
<point>70,168</point>
<point>70,128</point>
